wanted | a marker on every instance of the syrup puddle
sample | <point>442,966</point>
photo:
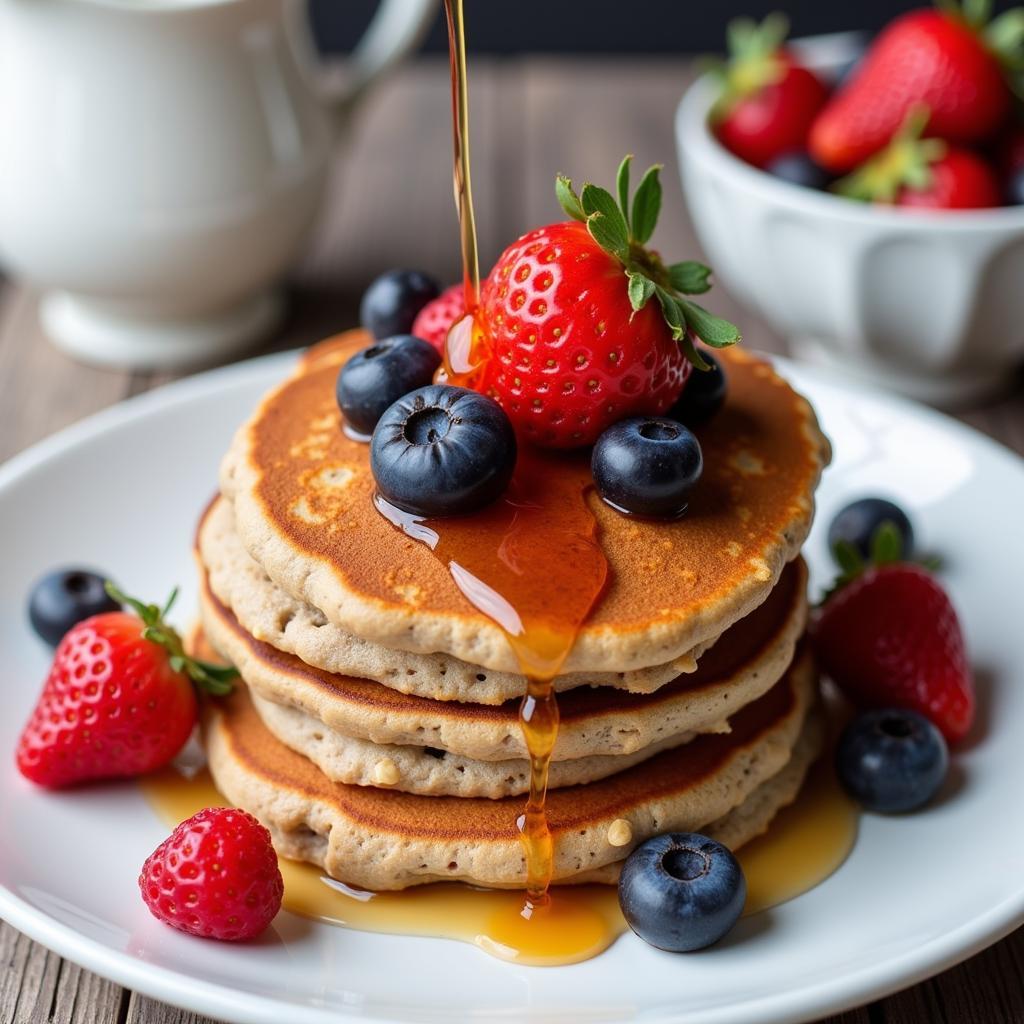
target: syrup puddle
<point>806,843</point>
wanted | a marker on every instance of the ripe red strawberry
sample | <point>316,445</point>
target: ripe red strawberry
<point>768,99</point>
<point>924,173</point>
<point>118,701</point>
<point>944,59</point>
<point>889,637</point>
<point>216,876</point>
<point>436,317</point>
<point>574,343</point>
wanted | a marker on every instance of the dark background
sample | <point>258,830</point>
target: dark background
<point>637,26</point>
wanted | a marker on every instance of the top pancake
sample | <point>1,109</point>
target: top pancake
<point>302,494</point>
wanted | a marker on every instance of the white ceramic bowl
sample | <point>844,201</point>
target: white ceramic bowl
<point>927,303</point>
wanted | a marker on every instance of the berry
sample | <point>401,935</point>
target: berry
<point>923,173</point>
<point>434,320</point>
<point>890,637</point>
<point>647,466</point>
<point>891,760</point>
<point>585,326</point>
<point>393,300</point>
<point>960,180</point>
<point>1009,161</point>
<point>681,891</point>
<point>377,376</point>
<point>64,598</point>
<point>798,168</point>
<point>703,394</point>
<point>443,451</point>
<point>215,876</point>
<point>118,700</point>
<point>936,58</point>
<point>1013,188</point>
<point>858,523</point>
<point>768,99</point>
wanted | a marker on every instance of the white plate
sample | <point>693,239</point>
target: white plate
<point>122,492</point>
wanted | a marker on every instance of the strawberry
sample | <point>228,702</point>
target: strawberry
<point>216,876</point>
<point>574,343</point>
<point>949,60</point>
<point>923,173</point>
<point>436,317</point>
<point>768,99</point>
<point>889,636</point>
<point>118,701</point>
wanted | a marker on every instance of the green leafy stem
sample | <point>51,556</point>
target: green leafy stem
<point>622,229</point>
<point>207,676</point>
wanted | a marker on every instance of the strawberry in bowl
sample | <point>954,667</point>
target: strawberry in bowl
<point>768,99</point>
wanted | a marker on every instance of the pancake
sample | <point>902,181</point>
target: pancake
<point>430,771</point>
<point>303,500</point>
<point>744,664</point>
<point>274,616</point>
<point>382,839</point>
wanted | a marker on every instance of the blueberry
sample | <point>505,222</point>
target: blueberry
<point>892,760</point>
<point>1013,188</point>
<point>681,891</point>
<point>859,521</point>
<point>64,598</point>
<point>378,376</point>
<point>443,451</point>
<point>798,169</point>
<point>647,466</point>
<point>702,395</point>
<point>392,301</point>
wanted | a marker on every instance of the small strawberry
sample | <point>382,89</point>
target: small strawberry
<point>119,699</point>
<point>436,317</point>
<point>215,876</point>
<point>950,60</point>
<point>768,99</point>
<point>889,636</point>
<point>923,173</point>
<point>574,342</point>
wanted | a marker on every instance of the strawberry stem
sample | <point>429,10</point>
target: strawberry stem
<point>622,230</point>
<point>213,679</point>
<point>905,163</point>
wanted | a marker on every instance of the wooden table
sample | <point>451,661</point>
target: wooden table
<point>390,204</point>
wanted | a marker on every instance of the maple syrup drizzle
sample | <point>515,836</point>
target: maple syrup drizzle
<point>806,843</point>
<point>531,563</point>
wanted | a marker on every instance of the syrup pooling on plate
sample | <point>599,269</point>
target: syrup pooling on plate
<point>532,563</point>
<point>806,843</point>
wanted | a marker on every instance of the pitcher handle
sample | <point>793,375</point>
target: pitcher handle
<point>397,28</point>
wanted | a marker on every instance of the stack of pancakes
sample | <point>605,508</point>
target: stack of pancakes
<point>377,732</point>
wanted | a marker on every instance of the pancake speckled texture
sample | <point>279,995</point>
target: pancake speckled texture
<point>383,839</point>
<point>302,494</point>
<point>430,771</point>
<point>274,616</point>
<point>742,666</point>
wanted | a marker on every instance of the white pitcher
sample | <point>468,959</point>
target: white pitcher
<point>162,162</point>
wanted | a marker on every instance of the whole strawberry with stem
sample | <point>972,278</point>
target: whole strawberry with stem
<point>888,636</point>
<point>574,340</point>
<point>119,699</point>
<point>768,99</point>
<point>952,59</point>
<point>215,876</point>
<point>923,173</point>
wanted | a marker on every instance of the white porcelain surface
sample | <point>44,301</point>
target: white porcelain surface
<point>927,303</point>
<point>163,161</point>
<point>919,892</point>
